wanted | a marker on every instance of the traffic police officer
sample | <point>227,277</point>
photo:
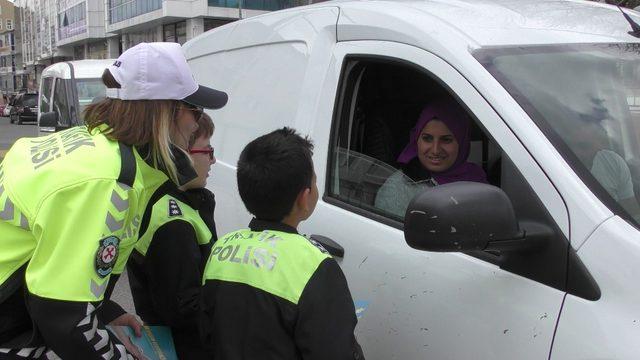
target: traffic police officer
<point>70,203</point>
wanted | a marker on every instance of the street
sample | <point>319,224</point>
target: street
<point>9,133</point>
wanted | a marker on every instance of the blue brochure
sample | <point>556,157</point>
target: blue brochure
<point>155,343</point>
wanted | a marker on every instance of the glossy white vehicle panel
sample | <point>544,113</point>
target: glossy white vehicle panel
<point>284,68</point>
<point>68,84</point>
<point>412,295</point>
<point>82,69</point>
<point>294,48</point>
<point>610,327</point>
<point>436,25</point>
<point>453,30</point>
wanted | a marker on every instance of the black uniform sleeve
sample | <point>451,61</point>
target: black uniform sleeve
<point>110,310</point>
<point>172,265</point>
<point>327,317</point>
<point>73,330</point>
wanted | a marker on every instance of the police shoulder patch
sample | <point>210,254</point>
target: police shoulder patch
<point>107,255</point>
<point>174,209</point>
<point>317,244</point>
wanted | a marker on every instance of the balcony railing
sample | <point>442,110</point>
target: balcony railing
<point>268,5</point>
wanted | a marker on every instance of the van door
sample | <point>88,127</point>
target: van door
<point>413,304</point>
<point>61,103</point>
<point>44,102</point>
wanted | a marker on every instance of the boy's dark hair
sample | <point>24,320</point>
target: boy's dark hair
<point>272,170</point>
<point>205,129</point>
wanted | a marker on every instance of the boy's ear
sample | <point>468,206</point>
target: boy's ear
<point>303,199</point>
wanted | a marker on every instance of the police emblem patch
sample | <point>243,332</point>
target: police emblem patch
<point>174,209</point>
<point>318,245</point>
<point>107,255</point>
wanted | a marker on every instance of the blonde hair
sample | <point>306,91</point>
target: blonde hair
<point>138,123</point>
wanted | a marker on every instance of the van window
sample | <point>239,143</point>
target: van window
<point>61,102</point>
<point>587,101</point>
<point>380,104</point>
<point>88,90</point>
<point>379,101</point>
<point>45,94</point>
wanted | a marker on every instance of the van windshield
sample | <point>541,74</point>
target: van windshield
<point>88,90</point>
<point>586,99</point>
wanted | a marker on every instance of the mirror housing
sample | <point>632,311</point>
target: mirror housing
<point>48,119</point>
<point>48,122</point>
<point>460,216</point>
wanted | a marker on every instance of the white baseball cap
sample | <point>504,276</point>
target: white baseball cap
<point>159,71</point>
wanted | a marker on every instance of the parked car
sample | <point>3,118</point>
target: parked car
<point>66,88</point>
<point>25,108</point>
<point>2,106</point>
<point>543,262</point>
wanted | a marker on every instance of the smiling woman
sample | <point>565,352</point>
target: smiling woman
<point>436,154</point>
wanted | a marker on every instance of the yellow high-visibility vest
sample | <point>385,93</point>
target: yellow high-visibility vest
<point>68,215</point>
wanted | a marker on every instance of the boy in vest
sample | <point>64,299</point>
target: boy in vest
<point>175,237</point>
<point>268,292</point>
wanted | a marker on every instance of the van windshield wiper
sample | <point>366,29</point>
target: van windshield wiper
<point>634,25</point>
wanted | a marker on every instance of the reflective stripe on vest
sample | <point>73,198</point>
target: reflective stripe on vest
<point>68,175</point>
<point>167,209</point>
<point>276,262</point>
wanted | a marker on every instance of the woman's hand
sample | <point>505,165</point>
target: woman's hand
<point>131,321</point>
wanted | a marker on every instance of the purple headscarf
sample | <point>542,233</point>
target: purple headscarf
<point>457,120</point>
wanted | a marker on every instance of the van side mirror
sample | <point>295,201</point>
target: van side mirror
<point>462,216</point>
<point>48,122</point>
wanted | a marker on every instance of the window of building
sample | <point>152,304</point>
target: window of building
<point>72,21</point>
<point>270,5</point>
<point>98,50</point>
<point>214,23</point>
<point>143,36</point>
<point>78,52</point>
<point>9,24</point>
<point>0,25</point>
<point>176,32</point>
<point>120,10</point>
<point>169,32</point>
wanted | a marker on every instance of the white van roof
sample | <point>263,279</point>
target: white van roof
<point>438,25</point>
<point>481,23</point>
<point>83,69</point>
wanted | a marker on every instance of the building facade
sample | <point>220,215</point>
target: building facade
<point>8,81</point>
<point>61,30</point>
<point>38,26</point>
<point>135,21</point>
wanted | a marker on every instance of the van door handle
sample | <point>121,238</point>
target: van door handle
<point>331,246</point>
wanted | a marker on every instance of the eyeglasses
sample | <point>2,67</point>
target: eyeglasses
<point>208,150</point>
<point>197,111</point>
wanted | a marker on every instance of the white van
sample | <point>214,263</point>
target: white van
<point>543,263</point>
<point>66,88</point>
